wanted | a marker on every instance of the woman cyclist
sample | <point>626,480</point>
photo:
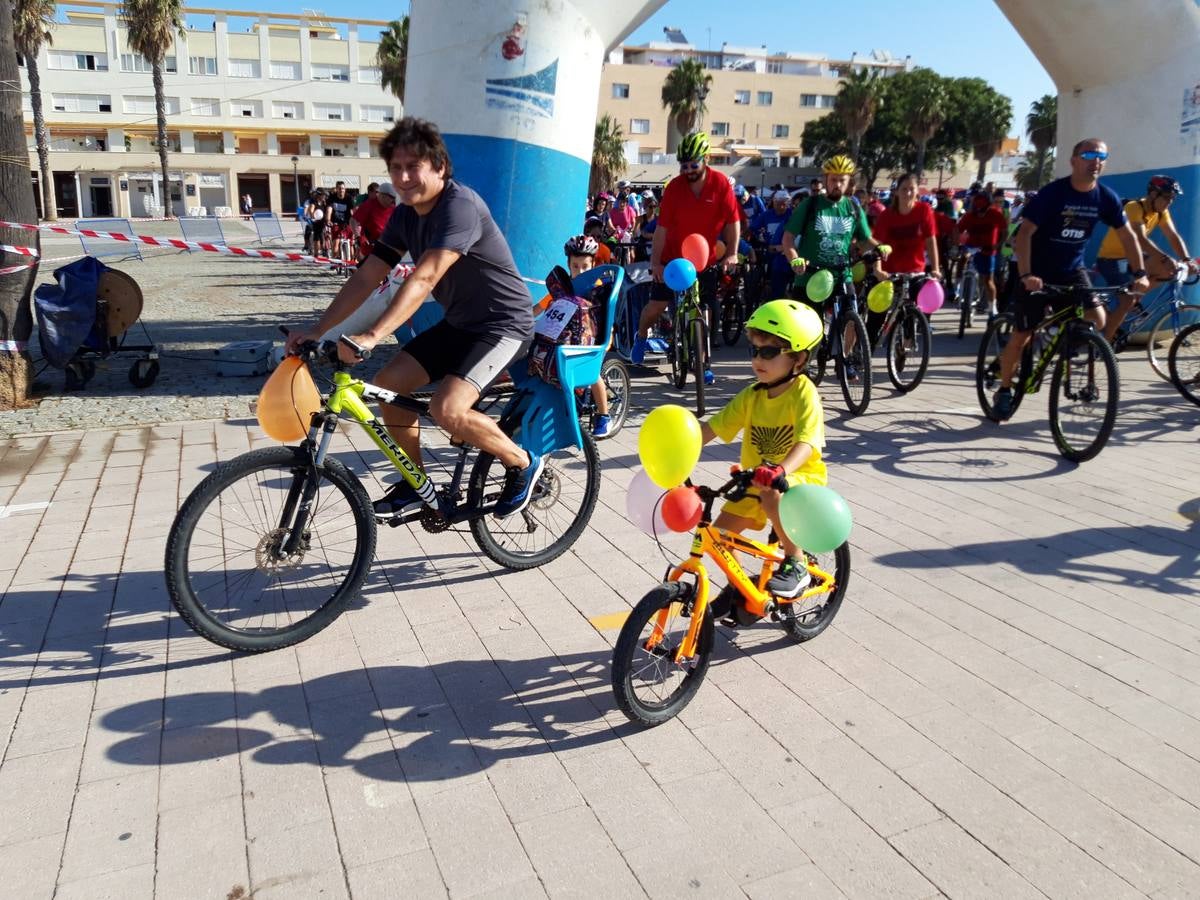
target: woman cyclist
<point>909,227</point>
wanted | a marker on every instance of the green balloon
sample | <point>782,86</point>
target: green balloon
<point>858,272</point>
<point>820,286</point>
<point>816,518</point>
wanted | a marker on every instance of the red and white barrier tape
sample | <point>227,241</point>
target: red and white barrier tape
<point>13,270</point>
<point>20,251</point>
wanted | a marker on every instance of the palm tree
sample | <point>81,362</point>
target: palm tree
<point>858,99</point>
<point>1041,127</point>
<point>987,125</point>
<point>683,93</point>
<point>32,20</point>
<point>1034,171</point>
<point>151,26</point>
<point>923,108</point>
<point>392,57</point>
<point>608,155</point>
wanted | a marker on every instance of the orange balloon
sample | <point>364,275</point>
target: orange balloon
<point>681,509</point>
<point>288,400</point>
<point>695,249</point>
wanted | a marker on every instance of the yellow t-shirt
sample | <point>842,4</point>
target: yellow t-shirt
<point>1110,247</point>
<point>771,427</point>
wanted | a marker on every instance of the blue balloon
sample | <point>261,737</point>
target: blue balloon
<point>679,274</point>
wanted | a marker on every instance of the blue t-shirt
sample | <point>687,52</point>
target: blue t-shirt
<point>1065,219</point>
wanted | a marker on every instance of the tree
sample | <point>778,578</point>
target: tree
<point>32,20</point>
<point>16,199</point>
<point>1035,170</point>
<point>151,26</point>
<point>858,100</point>
<point>987,119</point>
<point>1041,127</point>
<point>683,93</point>
<point>608,155</point>
<point>392,57</point>
<point>921,100</point>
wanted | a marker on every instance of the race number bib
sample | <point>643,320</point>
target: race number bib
<point>551,323</point>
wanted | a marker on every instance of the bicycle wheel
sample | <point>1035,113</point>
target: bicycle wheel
<point>987,364</point>
<point>698,343</point>
<point>970,294</point>
<point>559,510</point>
<point>227,571</point>
<point>908,349</point>
<point>733,316</point>
<point>614,375</point>
<point>805,618</point>
<point>679,357</point>
<point>854,366</point>
<point>650,687</point>
<point>1084,390</point>
<point>1183,363</point>
<point>1162,337</point>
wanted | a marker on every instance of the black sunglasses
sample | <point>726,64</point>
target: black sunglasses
<point>768,352</point>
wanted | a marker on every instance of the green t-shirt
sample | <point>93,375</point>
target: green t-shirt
<point>834,227</point>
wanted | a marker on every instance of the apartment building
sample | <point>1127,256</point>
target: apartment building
<point>257,103</point>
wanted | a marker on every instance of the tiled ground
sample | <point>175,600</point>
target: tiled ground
<point>1008,704</point>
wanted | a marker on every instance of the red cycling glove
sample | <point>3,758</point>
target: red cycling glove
<point>766,475</point>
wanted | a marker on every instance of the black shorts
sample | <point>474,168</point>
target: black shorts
<point>1031,309</point>
<point>474,357</point>
<point>660,293</point>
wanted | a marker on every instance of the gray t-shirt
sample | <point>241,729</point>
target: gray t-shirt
<point>481,292</point>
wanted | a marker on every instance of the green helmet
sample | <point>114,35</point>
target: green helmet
<point>796,323</point>
<point>693,147</point>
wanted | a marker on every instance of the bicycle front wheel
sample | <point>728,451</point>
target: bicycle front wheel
<point>698,341</point>
<point>679,352</point>
<point>1183,363</point>
<point>733,317</point>
<point>649,685</point>
<point>562,504</point>
<point>854,365</point>
<point>987,364</point>
<point>806,617</point>
<point>1083,396</point>
<point>1162,337</point>
<point>236,571</point>
<point>908,349</point>
<point>615,377</point>
<point>966,314</point>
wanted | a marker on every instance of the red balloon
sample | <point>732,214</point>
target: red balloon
<point>681,509</point>
<point>695,250</point>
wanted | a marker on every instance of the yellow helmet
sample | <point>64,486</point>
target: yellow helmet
<point>796,323</point>
<point>839,165</point>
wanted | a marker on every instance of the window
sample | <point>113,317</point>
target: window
<point>247,145</point>
<point>620,91</point>
<point>774,67</point>
<point>206,106</point>
<point>741,98</point>
<point>828,101</point>
<point>376,113</point>
<point>333,151</point>
<point>288,71</point>
<point>370,75</point>
<point>282,109</point>
<point>246,109</point>
<point>202,65</point>
<point>719,129</point>
<point>765,98</point>
<point>144,105</point>
<point>135,62</point>
<point>779,131</point>
<point>81,103</point>
<point>329,72</point>
<point>244,68</point>
<point>90,62</point>
<point>335,111</point>
<point>639,126</point>
<point>808,99</point>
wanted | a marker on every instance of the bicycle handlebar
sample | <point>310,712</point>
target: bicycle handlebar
<point>326,351</point>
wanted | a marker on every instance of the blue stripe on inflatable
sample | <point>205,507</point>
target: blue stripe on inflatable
<point>536,195</point>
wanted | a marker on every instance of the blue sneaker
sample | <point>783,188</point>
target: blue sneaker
<point>518,487</point>
<point>637,355</point>
<point>1002,404</point>
<point>399,500</point>
<point>600,426</point>
<point>657,345</point>
<point>709,377</point>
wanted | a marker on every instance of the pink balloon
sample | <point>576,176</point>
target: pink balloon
<point>931,297</point>
<point>642,506</point>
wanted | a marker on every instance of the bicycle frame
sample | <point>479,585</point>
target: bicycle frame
<point>1068,319</point>
<point>1167,298</point>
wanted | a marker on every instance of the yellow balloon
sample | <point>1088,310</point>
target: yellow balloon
<point>858,272</point>
<point>879,298</point>
<point>288,400</point>
<point>669,445</point>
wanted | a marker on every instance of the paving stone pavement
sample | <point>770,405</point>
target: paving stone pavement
<point>1007,704</point>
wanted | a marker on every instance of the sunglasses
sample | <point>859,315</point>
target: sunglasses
<point>690,166</point>
<point>1089,155</point>
<point>769,352</point>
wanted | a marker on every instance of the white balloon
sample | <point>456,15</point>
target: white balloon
<point>643,505</point>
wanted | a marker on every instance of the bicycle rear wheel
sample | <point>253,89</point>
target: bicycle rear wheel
<point>649,686</point>
<point>557,514</point>
<point>1183,362</point>
<point>228,571</point>
<point>615,377</point>
<point>679,352</point>
<point>908,349</point>
<point>698,345</point>
<point>803,619</point>
<point>970,294</point>
<point>987,364</point>
<point>1162,338</point>
<point>733,316</point>
<point>854,366</point>
<point>1084,390</point>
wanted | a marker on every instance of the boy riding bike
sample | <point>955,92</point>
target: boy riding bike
<point>783,431</point>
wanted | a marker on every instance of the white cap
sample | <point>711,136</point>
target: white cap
<point>386,187</point>
<point>780,195</point>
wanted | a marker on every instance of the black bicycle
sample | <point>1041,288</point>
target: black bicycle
<point>731,296</point>
<point>1084,384</point>
<point>845,341</point>
<point>905,334</point>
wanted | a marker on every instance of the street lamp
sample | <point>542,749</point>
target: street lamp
<point>296,183</point>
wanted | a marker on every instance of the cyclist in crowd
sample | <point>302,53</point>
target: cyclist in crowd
<point>908,226</point>
<point>581,257</point>
<point>601,205</point>
<point>984,228</point>
<point>463,260</point>
<point>360,199</point>
<point>782,426</point>
<point>594,228</point>
<point>1055,228</point>
<point>370,217</point>
<point>622,218</point>
<point>752,204</point>
<point>767,229</point>
<point>1144,215</point>
<point>647,225</point>
<point>635,201</point>
<point>318,212</point>
<point>338,216</point>
<point>701,202</point>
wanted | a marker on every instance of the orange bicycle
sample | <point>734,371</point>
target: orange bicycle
<point>663,651</point>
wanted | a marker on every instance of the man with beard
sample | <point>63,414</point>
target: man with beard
<point>700,202</point>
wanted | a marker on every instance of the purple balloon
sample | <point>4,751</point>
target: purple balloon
<point>931,297</point>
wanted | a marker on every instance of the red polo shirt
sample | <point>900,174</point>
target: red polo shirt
<point>683,213</point>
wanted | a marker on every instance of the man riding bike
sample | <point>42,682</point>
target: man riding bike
<point>463,260</point>
<point>983,227</point>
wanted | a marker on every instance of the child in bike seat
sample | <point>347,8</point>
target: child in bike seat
<point>783,430</point>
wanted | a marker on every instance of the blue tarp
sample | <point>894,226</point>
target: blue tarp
<point>66,312</point>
